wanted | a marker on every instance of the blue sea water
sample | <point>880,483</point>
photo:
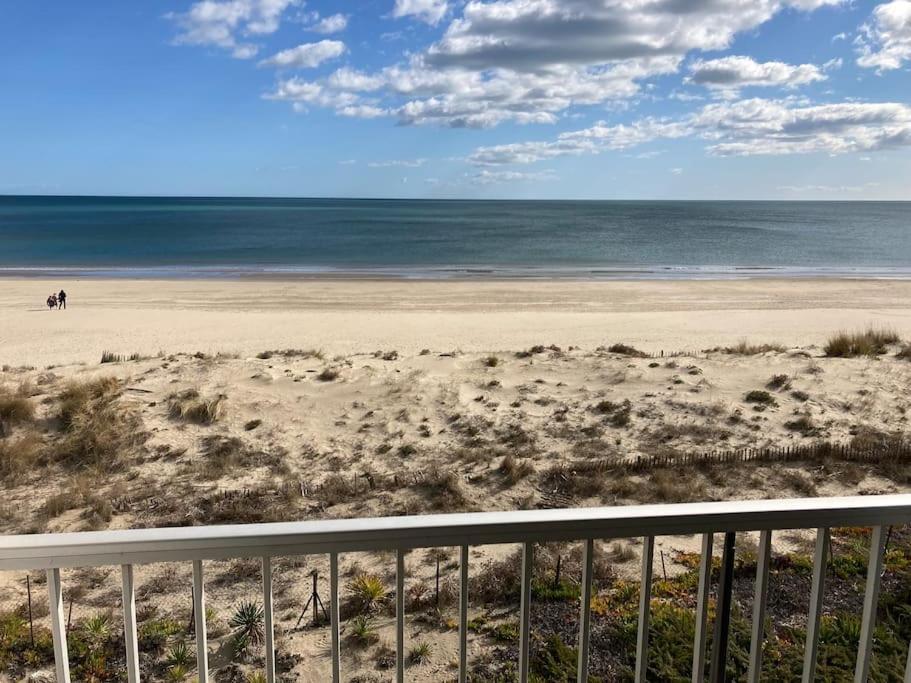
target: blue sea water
<point>215,237</point>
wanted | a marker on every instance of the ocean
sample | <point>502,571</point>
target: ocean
<point>218,237</point>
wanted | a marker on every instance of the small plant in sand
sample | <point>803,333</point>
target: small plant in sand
<point>180,656</point>
<point>870,342</point>
<point>189,406</point>
<point>904,353</point>
<point>514,469</point>
<point>420,652</point>
<point>177,673</point>
<point>760,397</point>
<point>490,361</point>
<point>777,382</point>
<point>362,630</point>
<point>328,375</point>
<point>367,592</point>
<point>247,624</point>
<point>627,350</point>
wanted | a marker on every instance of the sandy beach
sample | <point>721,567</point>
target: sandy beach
<point>356,316</point>
<point>256,401</point>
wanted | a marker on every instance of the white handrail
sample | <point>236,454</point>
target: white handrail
<point>140,546</point>
<point>127,548</point>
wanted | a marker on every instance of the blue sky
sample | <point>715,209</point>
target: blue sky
<point>600,99</point>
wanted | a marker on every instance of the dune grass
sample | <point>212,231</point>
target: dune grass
<point>189,406</point>
<point>869,342</point>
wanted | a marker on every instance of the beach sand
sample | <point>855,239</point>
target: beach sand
<point>478,422</point>
<point>353,316</point>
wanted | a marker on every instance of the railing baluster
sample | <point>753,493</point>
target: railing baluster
<point>702,609</point>
<point>645,599</point>
<point>585,615</point>
<point>269,625</point>
<point>199,612</point>
<point>528,557</point>
<point>760,599</point>
<point>333,615</point>
<point>816,593</point>
<point>129,623</point>
<point>399,616</point>
<point>871,600</point>
<point>722,633</point>
<point>55,601</point>
<point>463,615</point>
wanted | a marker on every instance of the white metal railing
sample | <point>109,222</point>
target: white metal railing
<point>195,544</point>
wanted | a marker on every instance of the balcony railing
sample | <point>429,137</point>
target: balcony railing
<point>401,534</point>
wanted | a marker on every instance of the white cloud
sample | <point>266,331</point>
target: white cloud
<point>487,177</point>
<point>599,138</point>
<point>225,23</point>
<point>731,73</point>
<point>528,61</point>
<point>428,11</point>
<point>740,128</point>
<point>884,42</point>
<point>826,189</point>
<point>401,163</point>
<point>334,23</point>
<point>765,127</point>
<point>307,55</point>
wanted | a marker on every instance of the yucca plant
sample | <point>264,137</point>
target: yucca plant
<point>97,630</point>
<point>247,623</point>
<point>177,673</point>
<point>256,677</point>
<point>362,630</point>
<point>180,656</point>
<point>367,591</point>
<point>420,653</point>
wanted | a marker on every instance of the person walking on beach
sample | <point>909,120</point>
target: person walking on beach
<point>52,302</point>
<point>61,300</point>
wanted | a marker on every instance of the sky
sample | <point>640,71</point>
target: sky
<point>551,99</point>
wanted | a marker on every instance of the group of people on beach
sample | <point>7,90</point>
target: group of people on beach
<point>57,301</point>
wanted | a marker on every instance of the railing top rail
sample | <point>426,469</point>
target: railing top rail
<point>137,546</point>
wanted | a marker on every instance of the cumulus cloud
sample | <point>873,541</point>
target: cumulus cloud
<point>227,23</point>
<point>884,42</point>
<point>594,140</point>
<point>428,11</point>
<point>729,74</point>
<point>738,128</point>
<point>528,61</point>
<point>334,23</point>
<point>307,55</point>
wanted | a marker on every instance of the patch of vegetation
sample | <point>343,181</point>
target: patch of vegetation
<point>627,350</point>
<point>420,652</point>
<point>189,406</point>
<point>247,626</point>
<point>367,592</point>
<point>804,425</point>
<point>328,375</point>
<point>760,397</point>
<point>799,395</point>
<point>490,361</point>
<point>291,353</point>
<point>514,469</point>
<point>904,353</point>
<point>778,382</point>
<point>869,342</point>
<point>745,348</point>
<point>98,430</point>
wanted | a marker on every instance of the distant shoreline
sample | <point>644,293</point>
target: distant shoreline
<point>456,273</point>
